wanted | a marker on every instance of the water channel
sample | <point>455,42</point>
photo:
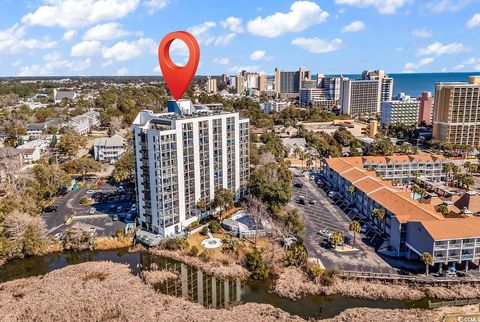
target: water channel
<point>197,286</point>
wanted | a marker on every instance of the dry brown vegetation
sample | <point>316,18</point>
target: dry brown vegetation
<point>216,268</point>
<point>98,291</point>
<point>105,243</point>
<point>158,276</point>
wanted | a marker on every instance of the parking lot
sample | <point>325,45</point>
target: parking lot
<point>331,214</point>
<point>112,209</point>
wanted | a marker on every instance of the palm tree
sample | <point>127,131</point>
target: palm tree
<point>447,169</point>
<point>351,190</point>
<point>468,166</point>
<point>336,238</point>
<point>355,227</point>
<point>427,259</point>
<point>379,214</point>
<point>443,209</point>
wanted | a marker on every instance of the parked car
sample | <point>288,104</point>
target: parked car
<point>92,211</point>
<point>120,189</point>
<point>301,200</point>
<point>50,209</point>
<point>133,207</point>
<point>332,194</point>
<point>115,217</point>
<point>364,228</point>
<point>90,192</point>
<point>298,185</point>
<point>119,209</point>
<point>92,231</point>
<point>312,202</point>
<point>325,233</point>
<point>346,240</point>
<point>58,236</point>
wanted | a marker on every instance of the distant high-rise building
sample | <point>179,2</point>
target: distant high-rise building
<point>211,85</point>
<point>402,110</point>
<point>386,82</point>
<point>290,82</point>
<point>262,83</point>
<point>224,78</point>
<point>456,112</point>
<point>426,108</point>
<point>240,84</point>
<point>183,158</point>
<point>360,97</point>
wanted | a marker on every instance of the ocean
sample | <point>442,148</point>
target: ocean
<point>414,84</point>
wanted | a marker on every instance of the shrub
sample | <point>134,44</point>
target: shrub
<point>315,271</point>
<point>230,244</point>
<point>206,255</point>
<point>193,225</point>
<point>205,230</point>
<point>214,226</point>
<point>296,255</point>
<point>194,251</point>
<point>175,243</point>
<point>84,200</point>
<point>256,266</point>
<point>328,277</point>
<point>119,232</point>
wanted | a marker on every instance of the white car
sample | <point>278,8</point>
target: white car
<point>58,236</point>
<point>92,211</point>
<point>90,192</point>
<point>332,194</point>
<point>133,207</point>
<point>120,189</point>
<point>325,233</point>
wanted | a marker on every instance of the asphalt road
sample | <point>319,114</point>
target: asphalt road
<point>325,215</point>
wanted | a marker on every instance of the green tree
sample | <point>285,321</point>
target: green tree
<point>427,259</point>
<point>382,147</point>
<point>71,142</point>
<point>355,227</point>
<point>272,183</point>
<point>48,180</point>
<point>296,255</point>
<point>343,137</point>
<point>83,166</point>
<point>34,242</point>
<point>124,168</point>
<point>256,266</point>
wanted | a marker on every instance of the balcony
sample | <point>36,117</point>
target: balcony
<point>454,245</point>
<point>453,257</point>
<point>467,256</point>
<point>441,246</point>
<point>468,245</point>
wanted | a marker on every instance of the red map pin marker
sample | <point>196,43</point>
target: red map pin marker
<point>177,77</point>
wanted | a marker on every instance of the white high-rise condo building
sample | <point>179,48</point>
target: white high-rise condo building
<point>181,158</point>
<point>360,97</point>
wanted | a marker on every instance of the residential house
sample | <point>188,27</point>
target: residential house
<point>83,124</point>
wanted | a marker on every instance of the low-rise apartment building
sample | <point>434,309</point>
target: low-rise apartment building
<point>108,149</point>
<point>83,124</point>
<point>410,227</point>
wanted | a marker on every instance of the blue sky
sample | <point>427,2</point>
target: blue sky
<point>120,37</point>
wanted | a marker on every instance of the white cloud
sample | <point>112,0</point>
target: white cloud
<point>155,5</point>
<point>17,63</point>
<point>221,61</point>
<point>354,26</point>
<point>438,49</point>
<point>105,31</point>
<point>71,14</point>
<point>250,68</point>
<point>55,65</point>
<point>12,41</point>
<point>124,50</point>
<point>318,45</point>
<point>458,67</point>
<point>302,15</point>
<point>260,55</point>
<point>422,33</point>
<point>86,48</point>
<point>156,69</point>
<point>409,67</point>
<point>200,29</point>
<point>383,6</point>
<point>441,6</point>
<point>474,21</point>
<point>234,24</point>
<point>122,72</point>
<point>471,61</point>
<point>69,35</point>
<point>224,40</point>
<point>399,49</point>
